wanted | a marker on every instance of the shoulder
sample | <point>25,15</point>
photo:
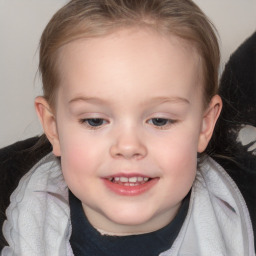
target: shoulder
<point>42,198</point>
<point>15,161</point>
<point>224,196</point>
<point>212,178</point>
<point>218,214</point>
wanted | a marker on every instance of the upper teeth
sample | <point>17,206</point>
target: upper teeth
<point>131,179</point>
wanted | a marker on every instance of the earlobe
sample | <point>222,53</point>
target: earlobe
<point>210,118</point>
<point>48,122</point>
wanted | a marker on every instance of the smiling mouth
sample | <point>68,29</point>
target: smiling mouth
<point>130,185</point>
<point>131,181</point>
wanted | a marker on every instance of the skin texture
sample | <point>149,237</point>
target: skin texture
<point>126,80</point>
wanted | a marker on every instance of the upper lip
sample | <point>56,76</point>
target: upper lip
<point>127,175</point>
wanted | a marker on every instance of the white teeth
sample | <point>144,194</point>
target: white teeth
<point>130,184</point>
<point>124,179</point>
<point>131,180</point>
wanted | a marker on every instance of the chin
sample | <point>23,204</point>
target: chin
<point>133,222</point>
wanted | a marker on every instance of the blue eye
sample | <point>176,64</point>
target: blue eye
<point>93,122</point>
<point>161,122</point>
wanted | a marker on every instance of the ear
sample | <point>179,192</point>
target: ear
<point>210,118</point>
<point>48,121</point>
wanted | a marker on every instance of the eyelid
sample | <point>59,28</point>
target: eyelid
<point>169,124</point>
<point>85,122</point>
<point>82,120</point>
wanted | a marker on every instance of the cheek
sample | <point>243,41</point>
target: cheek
<point>78,155</point>
<point>179,146</point>
<point>180,161</point>
<point>179,166</point>
<point>78,166</point>
<point>177,156</point>
<point>180,169</point>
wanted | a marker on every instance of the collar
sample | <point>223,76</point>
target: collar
<point>217,222</point>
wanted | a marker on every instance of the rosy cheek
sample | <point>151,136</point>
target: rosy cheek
<point>72,154</point>
<point>180,157</point>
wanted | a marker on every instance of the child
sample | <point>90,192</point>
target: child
<point>130,99</point>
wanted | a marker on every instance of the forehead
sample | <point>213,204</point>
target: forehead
<point>127,58</point>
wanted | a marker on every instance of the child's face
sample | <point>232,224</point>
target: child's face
<point>130,122</point>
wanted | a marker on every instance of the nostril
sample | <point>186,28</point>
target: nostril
<point>128,146</point>
<point>127,152</point>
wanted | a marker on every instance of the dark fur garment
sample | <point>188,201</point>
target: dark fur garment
<point>234,142</point>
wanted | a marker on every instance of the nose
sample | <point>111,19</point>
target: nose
<point>128,145</point>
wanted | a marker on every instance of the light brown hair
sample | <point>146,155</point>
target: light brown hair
<point>92,18</point>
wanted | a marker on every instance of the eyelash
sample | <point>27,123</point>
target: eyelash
<point>167,122</point>
<point>96,123</point>
<point>91,126</point>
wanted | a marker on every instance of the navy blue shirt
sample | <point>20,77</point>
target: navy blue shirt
<point>87,241</point>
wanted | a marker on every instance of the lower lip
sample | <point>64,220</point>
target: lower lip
<point>130,190</point>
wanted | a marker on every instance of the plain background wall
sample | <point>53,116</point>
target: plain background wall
<point>21,24</point>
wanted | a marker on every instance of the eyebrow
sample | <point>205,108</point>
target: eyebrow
<point>87,99</point>
<point>159,100</point>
